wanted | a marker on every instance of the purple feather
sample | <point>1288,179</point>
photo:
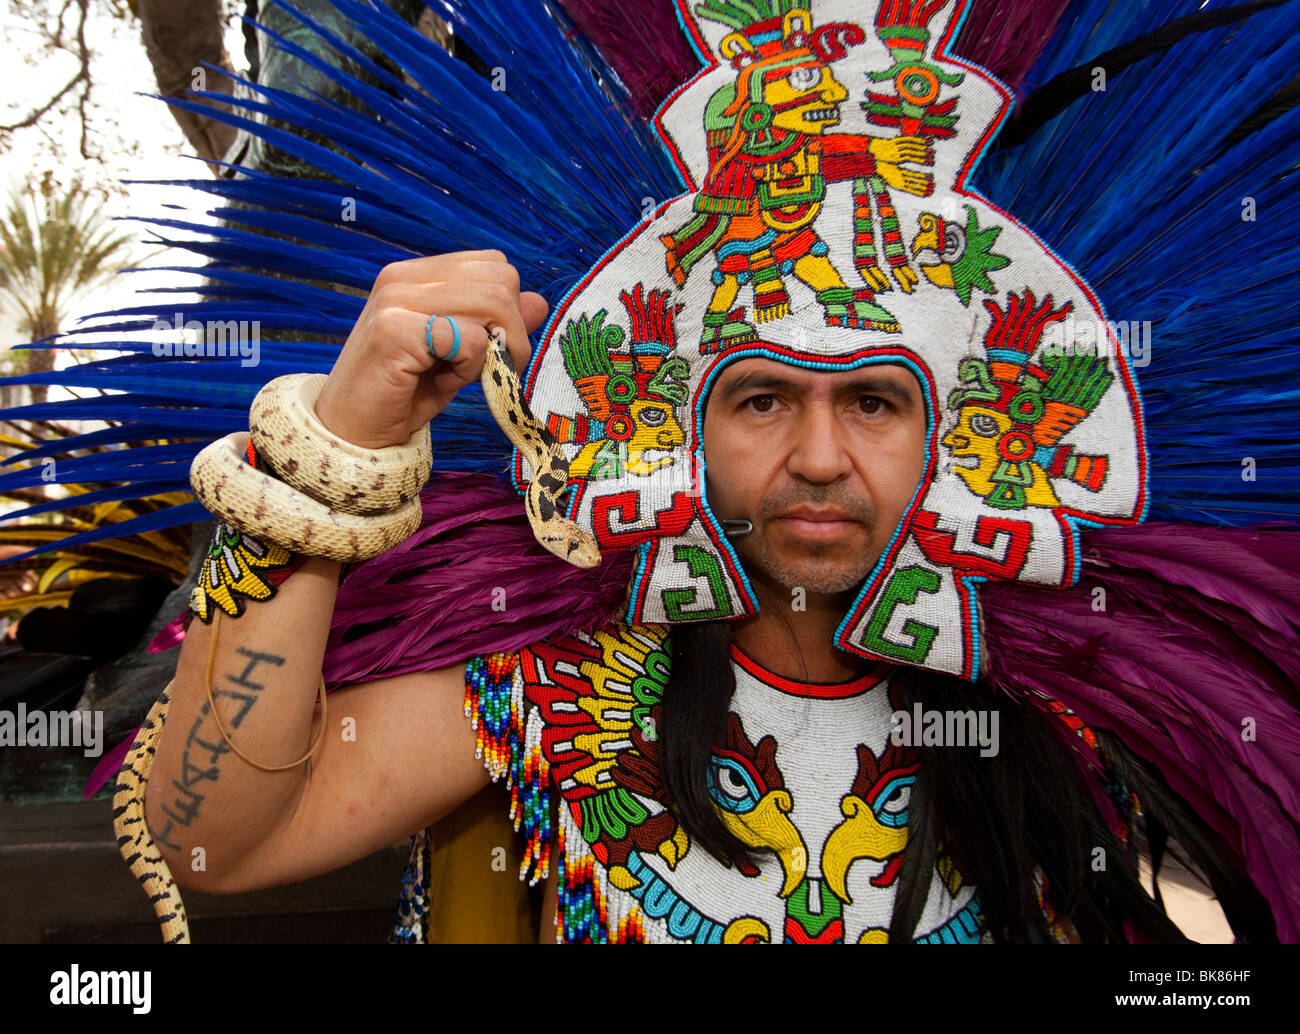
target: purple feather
<point>108,766</point>
<point>1199,630</point>
<point>644,44</point>
<point>471,580</point>
<point>1006,36</point>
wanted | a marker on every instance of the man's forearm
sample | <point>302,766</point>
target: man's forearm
<point>265,673</point>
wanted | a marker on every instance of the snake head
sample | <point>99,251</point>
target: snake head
<point>583,554</point>
<point>572,544</point>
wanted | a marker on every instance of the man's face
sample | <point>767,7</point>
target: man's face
<point>824,464</point>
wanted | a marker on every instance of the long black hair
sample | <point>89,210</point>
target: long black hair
<point>998,816</point>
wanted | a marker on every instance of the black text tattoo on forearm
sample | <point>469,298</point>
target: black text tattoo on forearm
<point>204,746</point>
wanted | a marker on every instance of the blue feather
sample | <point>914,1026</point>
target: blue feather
<point>1134,186</point>
<point>186,513</point>
<point>135,490</point>
<point>1129,185</point>
<point>91,439</point>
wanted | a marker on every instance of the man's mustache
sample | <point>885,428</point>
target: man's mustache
<point>855,508</point>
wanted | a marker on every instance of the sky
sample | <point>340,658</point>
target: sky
<point>122,73</point>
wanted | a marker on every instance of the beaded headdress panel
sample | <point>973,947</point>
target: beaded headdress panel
<point>826,222</point>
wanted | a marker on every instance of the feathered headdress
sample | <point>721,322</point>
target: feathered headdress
<point>1158,160</point>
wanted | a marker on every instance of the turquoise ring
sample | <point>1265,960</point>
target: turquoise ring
<point>455,338</point>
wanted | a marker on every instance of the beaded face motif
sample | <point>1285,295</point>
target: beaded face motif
<point>826,222</point>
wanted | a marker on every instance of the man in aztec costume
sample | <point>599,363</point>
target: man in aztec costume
<point>945,564</point>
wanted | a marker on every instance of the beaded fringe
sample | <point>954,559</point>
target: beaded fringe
<point>583,912</point>
<point>1124,800</point>
<point>1042,891</point>
<point>412,924</point>
<point>509,746</point>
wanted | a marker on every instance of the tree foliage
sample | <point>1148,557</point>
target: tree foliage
<point>55,246</point>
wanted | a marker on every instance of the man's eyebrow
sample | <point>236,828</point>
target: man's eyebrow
<point>754,381</point>
<point>866,384</point>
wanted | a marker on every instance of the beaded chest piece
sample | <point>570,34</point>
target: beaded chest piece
<point>830,811</point>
